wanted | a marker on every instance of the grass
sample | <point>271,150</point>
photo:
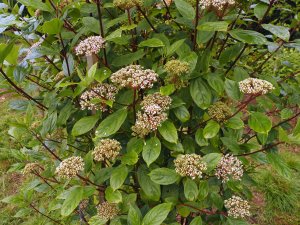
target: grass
<point>10,182</point>
<point>277,197</point>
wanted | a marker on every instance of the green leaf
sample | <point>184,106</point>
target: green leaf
<point>279,31</point>
<point>279,164</point>
<point>235,123</point>
<point>185,9</point>
<point>216,82</point>
<point>36,4</point>
<point>53,26</point>
<point>84,125</point>
<point>74,196</point>
<point>212,160</point>
<point>118,176</point>
<point>112,123</point>
<point>150,189</point>
<point>168,131</point>
<point>182,113</point>
<point>113,196</point>
<point>130,158</point>
<point>5,51</point>
<point>211,129</point>
<point>232,89</point>
<point>203,189</point>
<point>134,216</point>
<point>164,176</point>
<point>173,48</point>
<point>259,122</point>
<point>199,138</point>
<point>231,53</point>
<point>157,214</point>
<point>167,90</point>
<point>248,36</point>
<point>128,58</point>
<point>196,221</point>
<point>190,189</point>
<point>200,93</point>
<point>152,42</point>
<point>151,150</point>
<point>214,26</point>
<point>260,10</point>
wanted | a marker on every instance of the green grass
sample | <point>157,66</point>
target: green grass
<point>279,195</point>
<point>9,182</point>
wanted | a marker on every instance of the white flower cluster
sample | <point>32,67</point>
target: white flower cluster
<point>237,207</point>
<point>69,167</point>
<point>107,210</point>
<point>32,168</point>
<point>96,97</point>
<point>190,165</point>
<point>152,115</point>
<point>134,76</point>
<point>255,86</point>
<point>90,46</point>
<point>218,4</point>
<point>83,204</point>
<point>229,167</point>
<point>106,149</point>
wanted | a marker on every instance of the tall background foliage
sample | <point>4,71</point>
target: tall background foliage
<point>200,56</point>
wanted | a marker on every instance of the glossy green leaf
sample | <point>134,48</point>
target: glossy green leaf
<point>157,214</point>
<point>168,131</point>
<point>248,36</point>
<point>53,26</point>
<point>185,9</point>
<point>151,150</point>
<point>213,26</point>
<point>84,125</point>
<point>211,129</point>
<point>212,160</point>
<point>164,176</point>
<point>152,42</point>
<point>259,122</point>
<point>279,31</point>
<point>118,177</point>
<point>201,93</point>
<point>190,189</point>
<point>112,123</point>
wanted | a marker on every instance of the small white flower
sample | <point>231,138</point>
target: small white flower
<point>255,86</point>
<point>237,207</point>
<point>90,46</point>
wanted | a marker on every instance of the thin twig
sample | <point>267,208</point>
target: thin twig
<point>20,91</point>
<point>38,211</point>
<point>101,29</point>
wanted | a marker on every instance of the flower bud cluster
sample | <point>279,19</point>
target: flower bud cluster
<point>90,46</point>
<point>218,4</point>
<point>83,204</point>
<point>107,149</point>
<point>229,167</point>
<point>176,69</point>
<point>134,76</point>
<point>190,165</point>
<point>255,86</point>
<point>237,207</point>
<point>107,210</point>
<point>96,97</point>
<point>32,168</point>
<point>152,114</point>
<point>127,4</point>
<point>69,167</point>
<point>219,112</point>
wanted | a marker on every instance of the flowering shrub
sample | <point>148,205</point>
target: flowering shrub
<point>153,112</point>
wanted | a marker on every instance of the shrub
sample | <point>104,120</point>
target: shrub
<point>153,112</point>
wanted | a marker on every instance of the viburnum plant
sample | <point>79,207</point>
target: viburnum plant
<point>146,111</point>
